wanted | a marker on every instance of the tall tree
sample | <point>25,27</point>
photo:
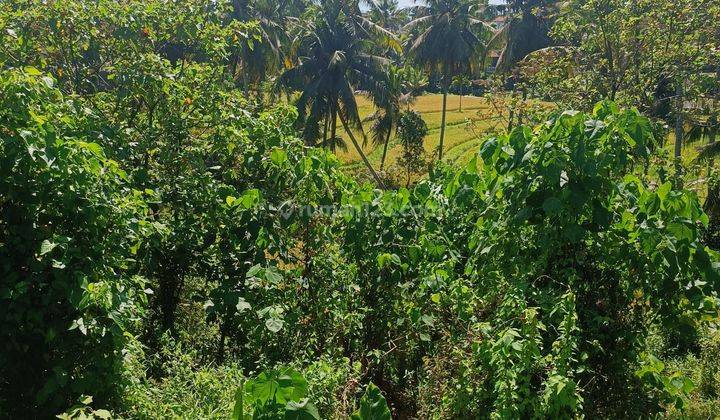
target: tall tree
<point>331,65</point>
<point>449,39</point>
<point>387,14</point>
<point>400,89</point>
<point>461,82</point>
<point>526,29</point>
<point>256,61</point>
<point>632,52</point>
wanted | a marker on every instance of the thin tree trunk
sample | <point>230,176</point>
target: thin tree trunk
<point>442,124</point>
<point>361,153</point>
<point>387,140</point>
<point>461,95</point>
<point>325,131</point>
<point>333,126</point>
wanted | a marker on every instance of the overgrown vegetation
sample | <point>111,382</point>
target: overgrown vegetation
<point>177,241</point>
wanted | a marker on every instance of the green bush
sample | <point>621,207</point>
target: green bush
<point>333,384</point>
<point>165,235</point>
<point>703,369</point>
<point>188,390</point>
<point>69,226</point>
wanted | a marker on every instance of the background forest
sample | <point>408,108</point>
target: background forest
<point>298,209</point>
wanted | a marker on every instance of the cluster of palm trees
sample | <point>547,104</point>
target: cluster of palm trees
<point>326,51</point>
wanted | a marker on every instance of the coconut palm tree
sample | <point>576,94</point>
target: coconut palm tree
<point>255,62</point>
<point>400,90</point>
<point>449,39</point>
<point>387,14</point>
<point>415,82</point>
<point>525,30</point>
<point>332,64</point>
<point>461,82</point>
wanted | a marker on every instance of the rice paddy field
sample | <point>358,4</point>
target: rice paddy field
<point>463,134</point>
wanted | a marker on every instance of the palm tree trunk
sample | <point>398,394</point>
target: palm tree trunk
<point>325,131</point>
<point>385,147</point>
<point>360,152</point>
<point>461,95</point>
<point>333,125</point>
<point>442,124</point>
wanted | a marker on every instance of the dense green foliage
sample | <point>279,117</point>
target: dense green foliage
<point>68,232</point>
<point>411,131</point>
<point>175,247</point>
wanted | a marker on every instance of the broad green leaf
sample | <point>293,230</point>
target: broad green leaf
<point>238,408</point>
<point>94,148</point>
<point>303,410</point>
<point>263,388</point>
<point>373,406</point>
<point>274,324</point>
<point>278,156</point>
<point>250,198</point>
<point>273,276</point>
<point>32,71</point>
<point>663,190</point>
<point>242,305</point>
<point>47,247</point>
<point>292,386</point>
<point>103,414</point>
<point>283,386</point>
<point>552,206</point>
<point>487,151</point>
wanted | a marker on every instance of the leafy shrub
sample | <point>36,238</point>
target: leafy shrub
<point>68,228</point>
<point>703,370</point>
<point>372,406</point>
<point>188,389</point>
<point>83,410</point>
<point>275,394</point>
<point>411,131</point>
<point>332,385</point>
<point>534,279</point>
<point>162,237</point>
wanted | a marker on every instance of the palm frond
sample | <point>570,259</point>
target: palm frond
<point>337,142</point>
<point>708,151</point>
